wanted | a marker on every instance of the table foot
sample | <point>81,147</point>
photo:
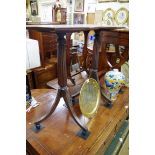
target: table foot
<point>108,105</point>
<point>37,127</point>
<point>83,134</point>
<point>75,100</point>
<point>121,91</point>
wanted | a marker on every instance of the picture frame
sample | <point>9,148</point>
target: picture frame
<point>79,6</point>
<point>34,8</point>
<point>78,18</point>
<point>121,16</point>
<point>102,1</point>
<point>108,17</point>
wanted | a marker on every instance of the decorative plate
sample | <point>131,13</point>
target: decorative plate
<point>121,16</point>
<point>108,16</point>
<point>89,98</point>
<point>125,71</point>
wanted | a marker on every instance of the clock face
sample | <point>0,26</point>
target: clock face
<point>89,97</point>
<point>108,16</point>
<point>121,16</point>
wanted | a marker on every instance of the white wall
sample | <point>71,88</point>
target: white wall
<point>114,5</point>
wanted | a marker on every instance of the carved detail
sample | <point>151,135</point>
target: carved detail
<point>61,55</point>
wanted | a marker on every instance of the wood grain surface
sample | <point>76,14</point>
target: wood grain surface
<point>58,137</point>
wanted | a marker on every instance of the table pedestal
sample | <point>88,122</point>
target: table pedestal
<point>63,90</point>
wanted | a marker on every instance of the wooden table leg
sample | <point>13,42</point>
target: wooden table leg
<point>62,80</point>
<point>68,101</point>
<point>62,76</point>
<point>95,58</point>
<point>55,104</point>
<point>85,51</point>
<point>68,57</point>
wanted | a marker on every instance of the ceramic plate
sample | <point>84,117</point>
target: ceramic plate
<point>125,71</point>
<point>108,16</point>
<point>89,97</point>
<point>121,16</point>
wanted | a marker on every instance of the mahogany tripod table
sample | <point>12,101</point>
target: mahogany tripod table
<point>63,92</point>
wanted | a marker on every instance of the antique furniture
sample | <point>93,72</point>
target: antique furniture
<point>63,91</point>
<point>58,136</point>
<point>47,44</point>
<point>42,75</point>
<point>48,47</point>
<point>110,60</point>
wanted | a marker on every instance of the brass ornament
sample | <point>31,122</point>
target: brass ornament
<point>89,98</point>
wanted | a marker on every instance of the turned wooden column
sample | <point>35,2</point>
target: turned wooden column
<point>85,51</point>
<point>95,57</point>
<point>61,56</point>
<point>68,58</point>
